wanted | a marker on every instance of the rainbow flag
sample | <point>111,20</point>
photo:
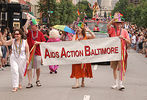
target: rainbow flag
<point>121,14</point>
<point>32,52</point>
<point>78,12</point>
<point>110,16</point>
<point>123,60</point>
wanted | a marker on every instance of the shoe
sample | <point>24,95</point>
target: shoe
<point>75,87</point>
<point>121,87</point>
<point>38,83</point>
<point>29,85</point>
<point>82,85</point>
<point>1,69</point>
<point>114,86</point>
<point>55,72</point>
<point>20,87</point>
<point>51,72</point>
<point>14,89</point>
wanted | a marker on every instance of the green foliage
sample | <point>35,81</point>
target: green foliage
<point>121,6</point>
<point>63,13</point>
<point>67,12</point>
<point>83,7</point>
<point>137,14</point>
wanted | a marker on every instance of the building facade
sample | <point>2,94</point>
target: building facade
<point>11,14</point>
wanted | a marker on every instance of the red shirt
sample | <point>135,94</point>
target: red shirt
<point>30,40</point>
<point>123,33</point>
<point>96,29</point>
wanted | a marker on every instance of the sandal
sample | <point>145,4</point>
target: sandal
<point>14,89</point>
<point>20,87</point>
<point>82,85</point>
<point>38,83</point>
<point>29,85</point>
<point>75,87</point>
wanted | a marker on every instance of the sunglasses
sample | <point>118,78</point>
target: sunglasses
<point>16,34</point>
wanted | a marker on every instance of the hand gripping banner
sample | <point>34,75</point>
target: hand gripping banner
<point>85,51</point>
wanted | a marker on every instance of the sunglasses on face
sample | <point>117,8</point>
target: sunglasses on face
<point>16,34</point>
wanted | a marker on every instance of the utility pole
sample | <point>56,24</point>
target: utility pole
<point>48,22</point>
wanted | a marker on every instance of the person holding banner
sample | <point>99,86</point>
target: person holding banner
<point>54,37</point>
<point>82,70</point>
<point>34,38</point>
<point>19,57</point>
<point>115,30</point>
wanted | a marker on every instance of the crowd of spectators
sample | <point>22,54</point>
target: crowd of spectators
<point>138,38</point>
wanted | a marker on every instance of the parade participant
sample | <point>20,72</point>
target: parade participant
<point>95,8</point>
<point>96,28</point>
<point>18,58</point>
<point>75,23</point>
<point>54,37</point>
<point>34,37</point>
<point>82,70</point>
<point>65,36</point>
<point>115,31</point>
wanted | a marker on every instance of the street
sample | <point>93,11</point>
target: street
<point>59,86</point>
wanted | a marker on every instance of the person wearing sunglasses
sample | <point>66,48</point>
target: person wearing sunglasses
<point>19,57</point>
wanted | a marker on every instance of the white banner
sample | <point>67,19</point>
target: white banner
<point>85,51</point>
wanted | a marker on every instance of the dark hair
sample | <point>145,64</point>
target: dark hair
<point>83,32</point>
<point>20,32</point>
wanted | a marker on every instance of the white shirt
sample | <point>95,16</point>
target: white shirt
<point>134,39</point>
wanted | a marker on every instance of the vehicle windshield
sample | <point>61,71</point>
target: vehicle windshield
<point>102,26</point>
<point>102,33</point>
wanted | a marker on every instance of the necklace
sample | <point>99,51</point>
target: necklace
<point>17,50</point>
<point>116,32</point>
<point>34,38</point>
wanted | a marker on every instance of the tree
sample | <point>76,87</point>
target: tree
<point>136,14</point>
<point>140,14</point>
<point>83,7</point>
<point>63,13</point>
<point>45,7</point>
<point>121,6</point>
<point>67,12</point>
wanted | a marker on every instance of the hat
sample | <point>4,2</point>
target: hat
<point>119,17</point>
<point>54,34</point>
<point>33,22</point>
<point>96,25</point>
<point>81,24</point>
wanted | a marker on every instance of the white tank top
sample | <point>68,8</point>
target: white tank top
<point>16,53</point>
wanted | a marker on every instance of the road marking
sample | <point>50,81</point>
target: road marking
<point>86,97</point>
<point>95,67</point>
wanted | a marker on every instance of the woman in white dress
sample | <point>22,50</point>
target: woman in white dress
<point>19,57</point>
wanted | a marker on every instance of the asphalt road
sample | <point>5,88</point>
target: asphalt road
<point>58,86</point>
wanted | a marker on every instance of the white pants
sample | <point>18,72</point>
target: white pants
<point>18,66</point>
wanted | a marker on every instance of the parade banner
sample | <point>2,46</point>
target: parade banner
<point>84,51</point>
